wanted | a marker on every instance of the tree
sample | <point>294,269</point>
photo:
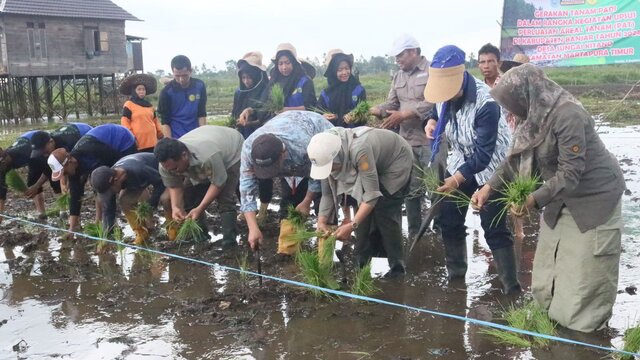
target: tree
<point>230,65</point>
<point>159,73</point>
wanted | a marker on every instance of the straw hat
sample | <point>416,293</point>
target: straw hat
<point>308,68</point>
<point>518,59</point>
<point>253,58</point>
<point>149,82</point>
<point>331,54</point>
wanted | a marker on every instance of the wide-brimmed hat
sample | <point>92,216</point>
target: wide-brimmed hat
<point>518,59</point>
<point>322,149</point>
<point>266,151</point>
<point>57,160</point>
<point>446,74</point>
<point>306,66</point>
<point>402,43</point>
<point>331,54</point>
<point>130,82</point>
<point>253,58</point>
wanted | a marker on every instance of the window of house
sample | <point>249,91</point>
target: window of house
<point>37,40</point>
<point>96,41</point>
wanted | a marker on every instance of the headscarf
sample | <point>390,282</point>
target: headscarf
<point>249,97</point>
<point>531,96</point>
<point>137,100</point>
<point>339,92</point>
<point>288,83</point>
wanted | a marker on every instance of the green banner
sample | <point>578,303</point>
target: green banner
<point>571,32</point>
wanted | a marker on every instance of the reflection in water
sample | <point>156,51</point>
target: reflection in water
<point>65,301</point>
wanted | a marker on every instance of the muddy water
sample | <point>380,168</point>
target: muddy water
<point>61,300</point>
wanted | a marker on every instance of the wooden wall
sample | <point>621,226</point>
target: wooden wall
<point>68,43</point>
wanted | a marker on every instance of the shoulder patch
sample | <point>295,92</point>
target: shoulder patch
<point>363,163</point>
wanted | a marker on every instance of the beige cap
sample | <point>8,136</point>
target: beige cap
<point>333,52</point>
<point>322,149</point>
<point>253,58</point>
<point>287,47</point>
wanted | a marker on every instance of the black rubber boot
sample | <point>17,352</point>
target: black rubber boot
<point>228,222</point>
<point>507,269</point>
<point>414,215</point>
<point>455,255</point>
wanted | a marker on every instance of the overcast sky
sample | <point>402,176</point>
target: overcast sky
<point>214,31</point>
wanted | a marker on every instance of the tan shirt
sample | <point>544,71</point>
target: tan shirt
<point>214,149</point>
<point>407,93</point>
<point>381,160</point>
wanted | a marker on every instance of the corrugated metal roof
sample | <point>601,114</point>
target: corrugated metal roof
<point>94,9</point>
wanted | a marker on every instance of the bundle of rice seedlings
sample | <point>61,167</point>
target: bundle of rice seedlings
<point>320,110</point>
<point>631,340</point>
<point>14,181</point>
<point>315,273</point>
<point>456,196</point>
<point>516,193</point>
<point>143,212</point>
<point>296,217</point>
<point>276,99</point>
<point>363,283</point>
<point>63,201</point>
<point>529,317</point>
<point>301,235</point>
<point>326,249</point>
<point>359,114</point>
<point>429,178</point>
<point>189,230</point>
<point>230,121</point>
<point>97,230</point>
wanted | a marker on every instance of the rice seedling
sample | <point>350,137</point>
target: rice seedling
<point>143,212</point>
<point>530,317</point>
<point>326,248</point>
<point>230,121</point>
<point>97,230</point>
<point>243,264</point>
<point>363,283</point>
<point>631,340</point>
<point>15,182</point>
<point>359,115</point>
<point>301,235</point>
<point>315,273</point>
<point>320,110</point>
<point>63,201</point>
<point>189,230</point>
<point>296,217</point>
<point>276,99</point>
<point>516,193</point>
<point>456,196</point>
<point>429,178</point>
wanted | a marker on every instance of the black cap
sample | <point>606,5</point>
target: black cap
<point>39,140</point>
<point>265,153</point>
<point>101,182</point>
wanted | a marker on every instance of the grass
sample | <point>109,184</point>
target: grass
<point>363,283</point>
<point>631,340</point>
<point>360,114</point>
<point>143,212</point>
<point>515,193</point>
<point>189,230</point>
<point>15,182</point>
<point>530,317</point>
<point>229,121</point>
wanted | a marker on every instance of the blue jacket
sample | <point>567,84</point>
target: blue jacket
<point>297,97</point>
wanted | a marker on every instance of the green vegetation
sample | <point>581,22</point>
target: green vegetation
<point>143,212</point>
<point>97,230</point>
<point>243,264</point>
<point>316,272</point>
<point>189,230</point>
<point>229,121</point>
<point>363,283</point>
<point>15,182</point>
<point>359,115</point>
<point>515,193</point>
<point>61,204</point>
<point>530,317</point>
<point>631,342</point>
<point>276,99</point>
<point>429,177</point>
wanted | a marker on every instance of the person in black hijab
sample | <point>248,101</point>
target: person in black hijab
<point>344,91</point>
<point>295,78</point>
<point>252,89</point>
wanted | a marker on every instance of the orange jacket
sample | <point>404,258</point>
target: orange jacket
<point>143,123</point>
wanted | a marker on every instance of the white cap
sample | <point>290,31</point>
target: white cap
<point>322,149</point>
<point>56,167</point>
<point>402,43</point>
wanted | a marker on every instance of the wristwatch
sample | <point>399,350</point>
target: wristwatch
<point>354,225</point>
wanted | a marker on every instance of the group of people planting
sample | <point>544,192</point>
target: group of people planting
<point>512,142</point>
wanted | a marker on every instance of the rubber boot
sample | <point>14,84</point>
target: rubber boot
<point>204,235</point>
<point>228,222</point>
<point>414,215</point>
<point>262,214</point>
<point>455,255</point>
<point>507,269</point>
<point>142,234</point>
<point>172,227</point>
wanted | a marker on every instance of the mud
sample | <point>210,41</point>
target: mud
<point>58,299</point>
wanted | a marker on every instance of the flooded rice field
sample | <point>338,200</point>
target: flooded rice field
<point>58,299</point>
